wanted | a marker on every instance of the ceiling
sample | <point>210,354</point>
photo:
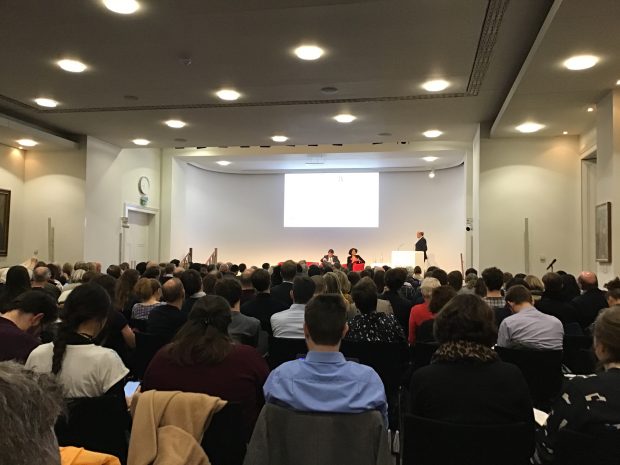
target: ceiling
<point>502,58</point>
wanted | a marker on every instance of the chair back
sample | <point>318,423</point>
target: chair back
<point>358,267</point>
<point>542,370</point>
<point>147,346</point>
<point>432,442</point>
<point>225,441</point>
<point>99,424</point>
<point>594,448</point>
<point>282,349</point>
<point>422,353</point>
<point>579,356</point>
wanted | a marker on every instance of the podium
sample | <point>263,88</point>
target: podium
<point>404,258</point>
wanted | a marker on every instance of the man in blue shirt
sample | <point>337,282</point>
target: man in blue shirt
<point>324,381</point>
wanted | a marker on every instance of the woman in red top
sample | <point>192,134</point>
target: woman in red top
<point>420,313</point>
<point>202,358</point>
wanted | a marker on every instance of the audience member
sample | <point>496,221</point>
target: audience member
<point>319,284</point>
<point>345,285</point>
<point>613,292</point>
<point>439,298</point>
<point>124,296</point>
<point>290,323</point>
<point>208,282</point>
<point>247,289</point>
<point>570,288</point>
<point>420,313</point>
<point>282,291</point>
<point>494,281</point>
<point>165,320</point>
<point>21,322</point>
<point>455,280</point>
<point>470,284</point>
<point>353,277</point>
<point>324,381</point>
<point>552,301</point>
<point>590,302</point>
<point>152,272</point>
<point>81,367</point>
<point>399,305</point>
<point>440,275</point>
<point>379,279</point>
<point>148,291</point>
<point>168,272</point>
<point>192,283</point>
<point>17,282</point>
<point>263,305</point>
<point>471,271</point>
<point>528,328</point>
<point>371,325</point>
<point>202,358</point>
<point>417,274</point>
<point>114,271</point>
<point>40,281</point>
<point>466,383</point>
<point>242,329</point>
<point>535,286</point>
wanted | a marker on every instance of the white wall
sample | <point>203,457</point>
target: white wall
<point>535,178</point>
<point>12,178</point>
<point>242,215</point>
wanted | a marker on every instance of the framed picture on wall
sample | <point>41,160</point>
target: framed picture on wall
<point>603,232</point>
<point>5,214</point>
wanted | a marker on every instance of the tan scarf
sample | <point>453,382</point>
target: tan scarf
<point>464,351</point>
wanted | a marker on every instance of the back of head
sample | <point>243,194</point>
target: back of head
<point>427,286</point>
<point>204,337</point>
<point>169,268</point>
<point>319,284</point>
<point>35,302</point>
<point>471,271</point>
<point>353,277</point>
<point>534,283</point>
<point>314,270</point>
<point>441,276</point>
<point>332,283</point>
<point>345,284</point>
<point>493,278</point>
<point>265,266</point>
<point>303,289</point>
<point>519,295</point>
<point>234,269</point>
<point>107,282</point>
<point>152,272</point>
<point>141,267</point>
<point>31,403</point>
<point>466,318</point>
<point>607,334</point>
<point>288,270</point>
<point>114,271</point>
<point>242,267</point>
<point>230,289</point>
<point>364,294</point>
<point>325,317</point>
<point>54,271</point>
<point>395,278</point>
<point>261,280</point>
<point>417,270</point>
<point>124,286</point>
<point>17,280</point>
<point>78,275</point>
<point>440,297</point>
<point>208,283</point>
<point>379,279</point>
<point>471,280</point>
<point>587,281</point>
<point>246,279</point>
<point>172,290</point>
<point>455,280</point>
<point>41,274</point>
<point>552,283</point>
<point>192,282</point>
<point>146,287</point>
<point>613,290</point>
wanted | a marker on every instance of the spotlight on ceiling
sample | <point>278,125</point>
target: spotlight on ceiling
<point>580,62</point>
<point>309,52</point>
<point>345,118</point>
<point>27,142</point>
<point>279,138</point>
<point>228,94</point>
<point>432,133</point>
<point>72,66</point>
<point>46,102</point>
<point>141,141</point>
<point>123,7</point>
<point>430,159</point>
<point>431,174</point>
<point>175,123</point>
<point>529,127</point>
<point>223,162</point>
<point>435,85</point>
<point>590,109</point>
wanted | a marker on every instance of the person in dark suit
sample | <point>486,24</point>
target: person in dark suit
<point>165,320</point>
<point>590,302</point>
<point>282,292</point>
<point>421,246</point>
<point>330,258</point>
<point>264,304</point>
<point>354,258</point>
<point>552,301</point>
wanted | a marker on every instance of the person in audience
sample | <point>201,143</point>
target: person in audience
<point>165,320</point>
<point>208,282</point>
<point>330,258</point>
<point>247,289</point>
<point>371,325</point>
<point>124,295</point>
<point>439,298</point>
<point>440,275</point>
<point>319,284</point>
<point>353,277</point>
<point>552,301</point>
<point>31,403</point>
<point>66,270</point>
<point>203,358</point>
<point>379,279</point>
<point>528,328</point>
<point>570,288</point>
<point>55,276</point>
<point>263,305</point>
<point>470,284</point>
<point>324,381</point>
<point>77,278</point>
<point>192,283</point>
<point>168,272</point>
<point>507,277</point>
<point>21,322</point>
<point>354,258</point>
<point>480,289</point>
<point>420,313</point>
<point>417,274</point>
<point>455,280</point>
<point>81,367</point>
<point>290,323</point>
<point>17,282</point>
<point>242,267</point>
<point>314,270</point>
<point>613,292</point>
<point>589,404</point>
<point>535,286</point>
<point>40,281</point>
<point>114,271</point>
<point>152,272</point>
<point>590,302</point>
<point>282,291</point>
<point>265,266</point>
<point>399,305</point>
<point>148,291</point>
<point>345,285</point>
<point>466,382</point>
<point>494,281</point>
<point>242,329</point>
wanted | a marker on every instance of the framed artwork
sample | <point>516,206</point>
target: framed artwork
<point>603,232</point>
<point>5,214</point>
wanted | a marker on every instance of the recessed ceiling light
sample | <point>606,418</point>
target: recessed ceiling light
<point>279,138</point>
<point>141,141</point>
<point>223,162</point>
<point>618,82</point>
<point>432,133</point>
<point>345,118</point>
<point>309,52</point>
<point>590,109</point>
<point>429,159</point>
<point>27,142</point>
<point>123,7</point>
<point>565,132</point>
<point>228,94</point>
<point>579,62</point>
<point>175,123</point>
<point>436,85</point>
<point>46,102</point>
<point>529,127</point>
<point>431,174</point>
<point>73,66</point>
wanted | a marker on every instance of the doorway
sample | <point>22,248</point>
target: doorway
<point>140,235</point>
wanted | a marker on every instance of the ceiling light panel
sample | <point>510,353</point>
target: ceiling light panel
<point>435,85</point>
<point>580,62</point>
<point>72,66</point>
<point>141,141</point>
<point>432,133</point>
<point>228,94</point>
<point>46,102</point>
<point>123,7</point>
<point>309,52</point>
<point>27,142</point>
<point>175,123</point>
<point>345,118</point>
<point>529,127</point>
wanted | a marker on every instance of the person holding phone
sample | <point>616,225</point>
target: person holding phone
<point>354,258</point>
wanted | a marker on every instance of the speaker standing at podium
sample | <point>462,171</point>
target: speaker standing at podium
<point>421,246</point>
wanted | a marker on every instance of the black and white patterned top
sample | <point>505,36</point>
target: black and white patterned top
<point>375,327</point>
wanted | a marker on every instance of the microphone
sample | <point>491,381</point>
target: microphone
<point>552,263</point>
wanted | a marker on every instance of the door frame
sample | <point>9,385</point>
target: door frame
<point>153,230</point>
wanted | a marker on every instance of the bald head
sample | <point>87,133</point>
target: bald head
<point>246,279</point>
<point>173,293</point>
<point>41,274</point>
<point>587,280</point>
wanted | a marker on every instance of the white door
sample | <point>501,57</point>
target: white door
<point>137,237</point>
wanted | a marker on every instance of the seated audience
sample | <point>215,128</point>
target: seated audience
<point>165,320</point>
<point>319,284</point>
<point>290,323</point>
<point>590,404</point>
<point>552,300</point>
<point>420,313</point>
<point>81,367</point>
<point>590,302</point>
<point>466,382</point>
<point>247,289</point>
<point>263,305</point>
<point>21,322</point>
<point>192,283</point>
<point>168,272</point>
<point>439,298</point>
<point>570,289</point>
<point>440,275</point>
<point>400,306</point>
<point>124,295</point>
<point>613,292</point>
<point>324,381</point>
<point>345,285</point>
<point>528,328</point>
<point>242,329</point>
<point>148,291</point>
<point>31,403</point>
<point>203,358</point>
<point>208,282</point>
<point>17,282</point>
<point>494,280</point>
<point>354,277</point>
<point>455,280</point>
<point>41,281</point>
<point>282,291</point>
<point>379,279</point>
<point>114,271</point>
<point>535,286</point>
<point>470,284</point>
<point>371,325</point>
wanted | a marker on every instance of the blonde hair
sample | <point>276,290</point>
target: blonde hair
<point>534,283</point>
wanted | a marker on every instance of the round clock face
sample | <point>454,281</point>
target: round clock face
<point>144,185</point>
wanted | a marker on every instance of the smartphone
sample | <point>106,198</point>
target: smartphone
<point>131,387</point>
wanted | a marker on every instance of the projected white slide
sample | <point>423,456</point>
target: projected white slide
<point>331,200</point>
